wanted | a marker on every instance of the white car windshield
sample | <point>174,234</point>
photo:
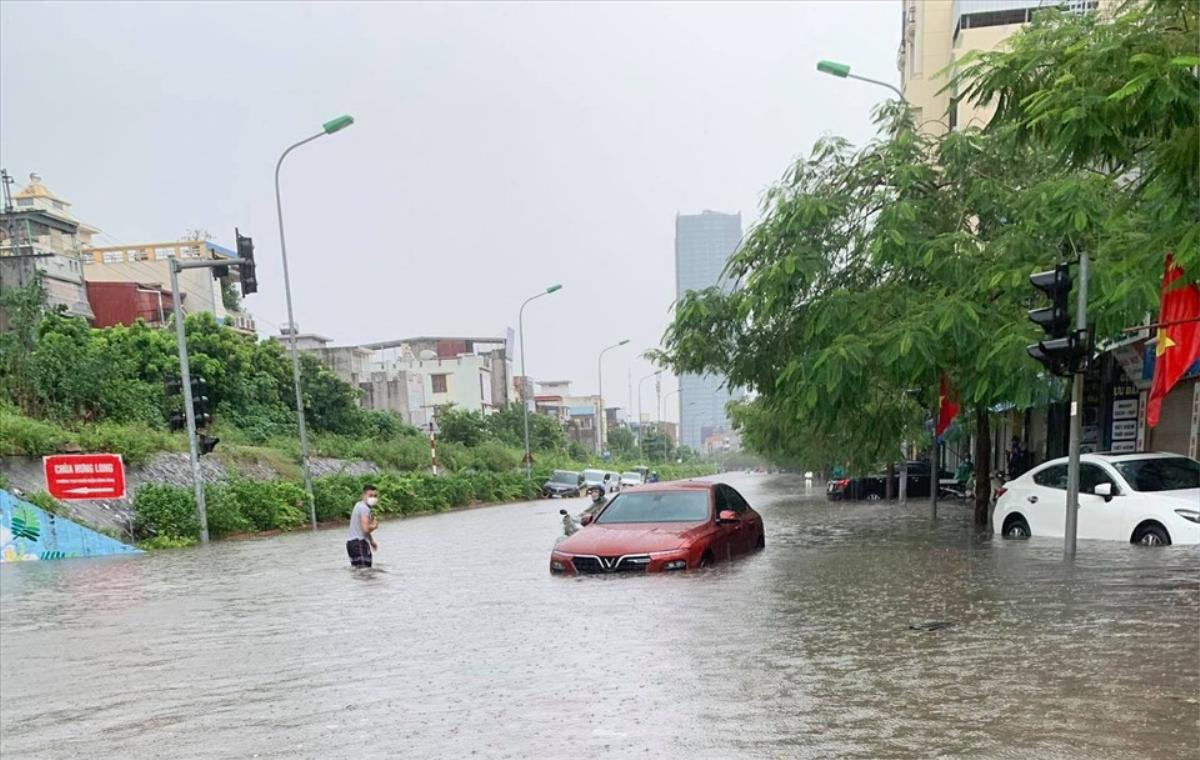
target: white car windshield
<point>1160,474</point>
<point>631,476</point>
<point>656,506</point>
<point>593,475</point>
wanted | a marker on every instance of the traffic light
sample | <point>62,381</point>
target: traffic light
<point>245,250</point>
<point>200,402</point>
<point>1062,348</point>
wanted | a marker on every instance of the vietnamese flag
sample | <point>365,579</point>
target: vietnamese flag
<point>1178,341</point>
<point>947,407</point>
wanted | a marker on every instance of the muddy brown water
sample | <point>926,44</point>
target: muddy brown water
<point>862,631</point>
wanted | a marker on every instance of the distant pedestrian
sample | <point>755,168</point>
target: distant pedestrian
<point>359,541</point>
<point>1016,458</point>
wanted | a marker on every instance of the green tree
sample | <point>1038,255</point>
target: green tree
<point>507,424</point>
<point>1115,95</point>
<point>657,446</point>
<point>463,426</point>
<point>621,442</point>
<point>874,272</point>
<point>22,308</point>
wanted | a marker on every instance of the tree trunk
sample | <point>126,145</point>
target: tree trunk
<point>983,467</point>
<point>887,486</point>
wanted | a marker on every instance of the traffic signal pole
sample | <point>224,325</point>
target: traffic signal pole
<point>185,379</point>
<point>1072,522</point>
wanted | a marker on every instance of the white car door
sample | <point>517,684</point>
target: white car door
<point>1100,518</point>
<point>1044,501</point>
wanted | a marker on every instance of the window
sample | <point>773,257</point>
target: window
<point>1052,477</point>
<point>656,506</point>
<point>438,383</point>
<point>1160,474</point>
<point>1090,476</point>
<point>953,115</point>
<point>24,201</point>
<point>722,500</point>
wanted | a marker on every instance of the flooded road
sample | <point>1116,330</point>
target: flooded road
<point>466,647</point>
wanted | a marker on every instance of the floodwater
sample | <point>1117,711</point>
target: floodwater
<point>463,645</point>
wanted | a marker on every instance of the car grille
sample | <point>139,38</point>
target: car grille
<point>599,565</point>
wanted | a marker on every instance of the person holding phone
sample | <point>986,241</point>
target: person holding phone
<point>359,540</point>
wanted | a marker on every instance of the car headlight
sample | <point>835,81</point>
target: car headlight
<point>1191,515</point>
<point>675,564</point>
<point>557,566</point>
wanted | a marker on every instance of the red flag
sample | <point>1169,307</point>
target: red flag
<point>1177,345</point>
<point>947,407</point>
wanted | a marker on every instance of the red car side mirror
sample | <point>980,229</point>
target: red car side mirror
<point>585,519</point>
<point>727,516</point>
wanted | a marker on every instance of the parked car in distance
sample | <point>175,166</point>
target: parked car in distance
<point>563,483</point>
<point>599,478</point>
<point>662,527</point>
<point>1150,498</point>
<point>874,486</point>
<point>631,479</point>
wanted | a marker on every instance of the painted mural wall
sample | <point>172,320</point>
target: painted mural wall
<point>28,532</point>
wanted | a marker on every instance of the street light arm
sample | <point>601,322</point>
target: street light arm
<point>891,87</point>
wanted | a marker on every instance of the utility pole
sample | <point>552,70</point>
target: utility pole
<point>185,379</point>
<point>933,453</point>
<point>1076,415</point>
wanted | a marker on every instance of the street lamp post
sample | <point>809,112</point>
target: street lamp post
<point>842,70</point>
<point>327,128</point>
<point>639,405</point>
<point>524,377</point>
<point>600,395</point>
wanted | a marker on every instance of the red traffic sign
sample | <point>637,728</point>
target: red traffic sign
<point>84,476</point>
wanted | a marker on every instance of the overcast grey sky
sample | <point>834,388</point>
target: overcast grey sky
<point>497,147</point>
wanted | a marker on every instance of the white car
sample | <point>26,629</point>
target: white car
<point>631,479</point>
<point>1150,499</point>
<point>607,481</point>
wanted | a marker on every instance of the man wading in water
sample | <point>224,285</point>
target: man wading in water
<point>359,541</point>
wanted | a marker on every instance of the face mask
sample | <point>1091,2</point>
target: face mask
<point>371,500</point>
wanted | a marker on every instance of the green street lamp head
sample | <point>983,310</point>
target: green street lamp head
<point>335,125</point>
<point>833,67</point>
<point>553,288</point>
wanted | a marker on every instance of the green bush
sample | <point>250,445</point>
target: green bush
<point>164,511</point>
<point>165,542</point>
<point>409,453</point>
<point>23,436</point>
<point>495,457</point>
<point>336,495</point>
<point>46,502</point>
<point>135,442</point>
<point>269,504</point>
<point>224,512</point>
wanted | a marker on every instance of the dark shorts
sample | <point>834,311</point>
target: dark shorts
<point>359,551</point>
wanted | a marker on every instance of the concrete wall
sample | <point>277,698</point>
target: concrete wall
<point>400,392</point>
<point>29,533</point>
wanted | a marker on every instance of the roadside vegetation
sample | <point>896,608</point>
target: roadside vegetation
<point>66,387</point>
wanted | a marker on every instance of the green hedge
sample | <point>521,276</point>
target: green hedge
<point>167,513</point>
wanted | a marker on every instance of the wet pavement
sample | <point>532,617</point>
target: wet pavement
<point>828,644</point>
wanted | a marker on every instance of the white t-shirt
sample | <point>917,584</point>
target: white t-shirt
<point>360,511</point>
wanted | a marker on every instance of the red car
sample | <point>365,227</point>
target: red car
<point>662,526</point>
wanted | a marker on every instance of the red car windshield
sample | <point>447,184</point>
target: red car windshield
<point>656,506</point>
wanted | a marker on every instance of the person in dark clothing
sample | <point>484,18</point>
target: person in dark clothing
<point>1016,458</point>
